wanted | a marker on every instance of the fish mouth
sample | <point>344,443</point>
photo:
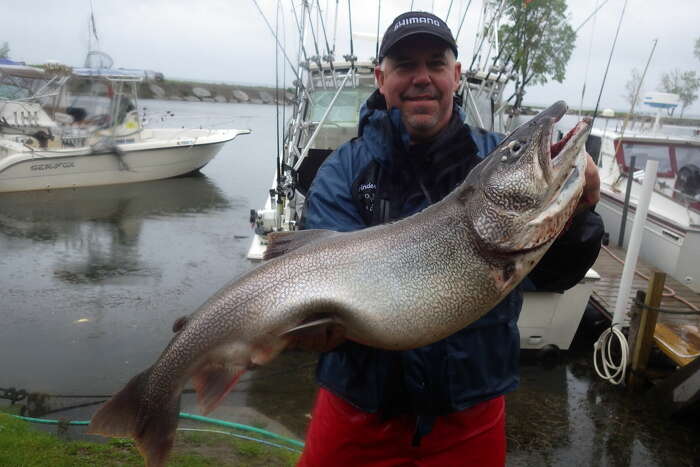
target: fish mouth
<point>563,164</point>
<point>554,157</point>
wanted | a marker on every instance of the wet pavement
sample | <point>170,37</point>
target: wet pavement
<point>92,279</point>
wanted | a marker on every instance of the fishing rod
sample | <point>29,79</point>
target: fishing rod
<point>351,58</point>
<point>277,106</point>
<point>493,33</point>
<point>449,8</point>
<point>634,104</point>
<point>301,34</point>
<point>335,24</point>
<point>607,67</point>
<point>464,15</point>
<point>325,37</point>
<point>510,33</point>
<point>329,58</point>
<point>487,33</point>
<point>255,2</point>
<point>317,58</point>
<point>588,61</point>
<point>590,16</point>
<point>376,48</point>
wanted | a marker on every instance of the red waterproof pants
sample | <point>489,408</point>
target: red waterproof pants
<point>341,435</point>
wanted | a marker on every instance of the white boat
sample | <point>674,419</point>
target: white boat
<point>671,239</point>
<point>53,137</point>
<point>328,98</point>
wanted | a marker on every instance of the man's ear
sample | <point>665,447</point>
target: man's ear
<point>379,78</point>
<point>458,75</point>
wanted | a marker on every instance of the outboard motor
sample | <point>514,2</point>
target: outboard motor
<point>688,185</point>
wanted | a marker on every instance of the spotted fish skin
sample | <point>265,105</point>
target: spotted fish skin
<point>395,286</point>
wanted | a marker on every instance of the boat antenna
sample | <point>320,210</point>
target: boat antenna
<point>376,48</point>
<point>449,8</point>
<point>607,67</point>
<point>464,15</point>
<point>351,58</point>
<point>255,2</point>
<point>411,5</point>
<point>92,31</point>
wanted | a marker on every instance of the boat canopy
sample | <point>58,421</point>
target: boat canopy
<point>107,73</point>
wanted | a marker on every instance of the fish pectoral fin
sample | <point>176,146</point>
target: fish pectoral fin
<point>279,243</point>
<point>213,381</point>
<point>320,335</point>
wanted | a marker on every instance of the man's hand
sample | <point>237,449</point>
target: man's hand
<point>591,187</point>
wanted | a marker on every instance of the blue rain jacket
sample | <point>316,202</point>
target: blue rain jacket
<point>476,364</point>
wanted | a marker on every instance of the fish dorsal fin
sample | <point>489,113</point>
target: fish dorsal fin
<point>279,243</point>
<point>180,323</point>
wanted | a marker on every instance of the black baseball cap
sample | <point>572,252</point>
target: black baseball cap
<point>412,23</point>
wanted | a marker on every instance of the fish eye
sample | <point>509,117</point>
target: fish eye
<point>515,147</point>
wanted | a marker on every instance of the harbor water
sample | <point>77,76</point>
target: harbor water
<point>92,279</point>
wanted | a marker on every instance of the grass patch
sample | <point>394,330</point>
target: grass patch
<point>21,444</point>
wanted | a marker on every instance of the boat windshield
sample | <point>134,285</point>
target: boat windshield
<point>9,91</point>
<point>341,123</point>
<point>345,111</point>
<point>644,152</point>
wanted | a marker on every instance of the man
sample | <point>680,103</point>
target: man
<point>442,404</point>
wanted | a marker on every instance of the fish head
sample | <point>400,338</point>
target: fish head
<point>530,187</point>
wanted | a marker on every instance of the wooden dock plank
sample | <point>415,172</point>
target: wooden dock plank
<point>678,336</point>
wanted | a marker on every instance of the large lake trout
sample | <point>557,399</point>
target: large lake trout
<point>396,286</point>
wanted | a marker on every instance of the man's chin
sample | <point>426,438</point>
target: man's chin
<point>421,124</point>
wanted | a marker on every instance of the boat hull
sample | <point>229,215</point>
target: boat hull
<point>667,246</point>
<point>127,163</point>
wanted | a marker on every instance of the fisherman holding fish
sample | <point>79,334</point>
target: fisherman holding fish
<point>420,312</point>
<point>442,404</point>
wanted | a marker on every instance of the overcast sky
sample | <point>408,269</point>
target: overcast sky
<point>227,40</point>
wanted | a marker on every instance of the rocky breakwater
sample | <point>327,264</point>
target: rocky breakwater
<point>214,92</point>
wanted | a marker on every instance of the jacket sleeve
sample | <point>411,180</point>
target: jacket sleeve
<point>571,255</point>
<point>329,204</point>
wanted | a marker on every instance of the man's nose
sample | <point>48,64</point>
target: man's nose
<point>422,76</point>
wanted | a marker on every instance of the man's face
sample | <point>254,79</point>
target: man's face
<point>419,77</point>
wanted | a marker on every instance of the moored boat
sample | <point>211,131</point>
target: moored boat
<point>70,128</point>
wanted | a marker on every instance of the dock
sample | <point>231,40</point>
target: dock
<point>677,334</point>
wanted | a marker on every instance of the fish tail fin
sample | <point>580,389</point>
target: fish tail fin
<point>126,415</point>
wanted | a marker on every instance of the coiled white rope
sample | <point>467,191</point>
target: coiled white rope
<point>611,372</point>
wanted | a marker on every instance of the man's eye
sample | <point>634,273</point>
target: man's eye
<point>438,64</point>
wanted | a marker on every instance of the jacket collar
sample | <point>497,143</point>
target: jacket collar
<point>378,125</point>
